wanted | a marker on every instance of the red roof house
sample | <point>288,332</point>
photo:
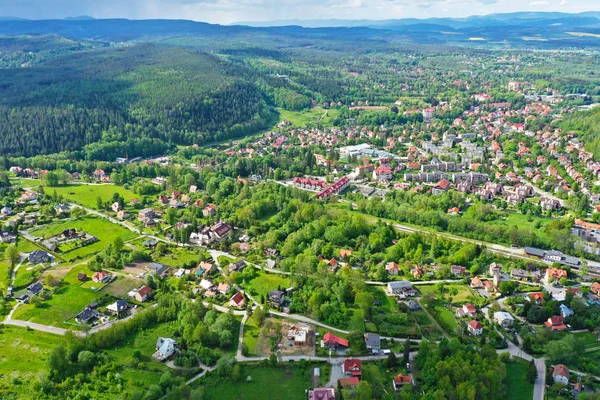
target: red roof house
<point>352,366</point>
<point>333,342</point>
<point>556,323</point>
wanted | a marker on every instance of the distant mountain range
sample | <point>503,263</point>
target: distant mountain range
<point>585,19</point>
<point>525,29</point>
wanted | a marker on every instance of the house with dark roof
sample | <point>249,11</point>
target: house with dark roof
<point>160,270</point>
<point>276,297</point>
<point>372,342</point>
<point>35,289</point>
<point>38,256</point>
<point>87,316</point>
<point>237,266</point>
<point>118,307</point>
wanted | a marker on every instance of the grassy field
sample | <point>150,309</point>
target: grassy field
<point>461,297</point>
<point>66,301</point>
<point>179,257</point>
<point>86,195</point>
<point>104,230</point>
<point>282,383</point>
<point>251,333</point>
<point>516,381</point>
<point>264,283</point>
<point>310,116</point>
<point>24,246</point>
<point>24,355</point>
<point>522,222</point>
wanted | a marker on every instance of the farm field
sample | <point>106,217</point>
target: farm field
<point>311,116</point>
<point>24,355</point>
<point>87,195</point>
<point>289,383</point>
<point>104,230</point>
<point>516,381</point>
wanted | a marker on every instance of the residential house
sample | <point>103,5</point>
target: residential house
<point>146,213</point>
<point>276,297</point>
<point>555,274</point>
<point>118,307</point>
<point>210,210</point>
<point>565,311</point>
<point>7,237</point>
<point>87,316</point>
<point>142,294</point>
<point>221,230</point>
<point>401,288</point>
<point>467,310</point>
<point>549,204</point>
<point>458,270</point>
<point>400,381</point>
<point>333,342</point>
<point>100,277</point>
<point>38,256</point>
<point>352,367</point>
<point>489,287</point>
<point>22,298</point>
<point>165,349</point>
<point>81,277</point>
<point>237,266</point>
<point>556,323</point>
<point>222,288</point>
<point>503,318</point>
<point>595,288</point>
<point>35,289</point>
<point>441,187</point>
<point>475,328</point>
<point>373,342</point>
<point>536,298</point>
<point>62,209</point>
<point>476,283</point>
<point>560,374</point>
<point>321,394</point>
<point>237,300</point>
<point>159,270</point>
<point>413,305</point>
<point>349,383</point>
<point>392,268</point>
<point>495,268</point>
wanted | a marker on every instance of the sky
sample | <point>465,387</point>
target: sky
<point>230,11</point>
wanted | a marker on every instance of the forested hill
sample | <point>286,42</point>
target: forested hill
<point>99,101</point>
<point>588,124</point>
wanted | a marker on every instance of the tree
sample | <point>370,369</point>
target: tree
<point>563,281</point>
<point>273,360</point>
<point>86,359</point>
<point>532,372</point>
<point>99,203</point>
<point>406,351</point>
<point>12,254</point>
<point>391,361</point>
<point>507,288</point>
<point>365,301</point>
<point>364,391</point>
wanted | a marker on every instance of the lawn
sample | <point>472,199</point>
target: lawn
<point>24,355</point>
<point>285,382</point>
<point>87,195</point>
<point>516,381</point>
<point>264,283</point>
<point>104,230</point>
<point>66,302</point>
<point>251,333</point>
<point>310,116</point>
<point>179,257</point>
<point>24,246</point>
<point>523,222</point>
<point>459,299</point>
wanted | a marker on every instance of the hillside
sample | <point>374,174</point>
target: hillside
<point>139,92</point>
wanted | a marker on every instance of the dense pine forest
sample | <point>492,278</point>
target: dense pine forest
<point>144,91</point>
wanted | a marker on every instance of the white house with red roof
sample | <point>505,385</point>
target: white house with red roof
<point>352,367</point>
<point>475,328</point>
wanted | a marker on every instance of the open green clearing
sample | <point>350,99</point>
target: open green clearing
<point>251,333</point>
<point>516,381</point>
<point>462,296</point>
<point>311,116</point>
<point>24,355</point>
<point>286,382</point>
<point>529,223</point>
<point>24,246</point>
<point>104,230</point>
<point>264,283</point>
<point>86,195</point>
<point>68,300</point>
<point>179,257</point>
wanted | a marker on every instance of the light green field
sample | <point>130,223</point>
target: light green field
<point>24,246</point>
<point>463,292</point>
<point>104,230</point>
<point>179,257</point>
<point>66,301</point>
<point>311,116</point>
<point>24,355</point>
<point>86,195</point>
<point>516,381</point>
<point>287,382</point>
<point>264,283</point>
<point>251,333</point>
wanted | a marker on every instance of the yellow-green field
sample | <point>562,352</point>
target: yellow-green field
<point>87,195</point>
<point>312,116</point>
